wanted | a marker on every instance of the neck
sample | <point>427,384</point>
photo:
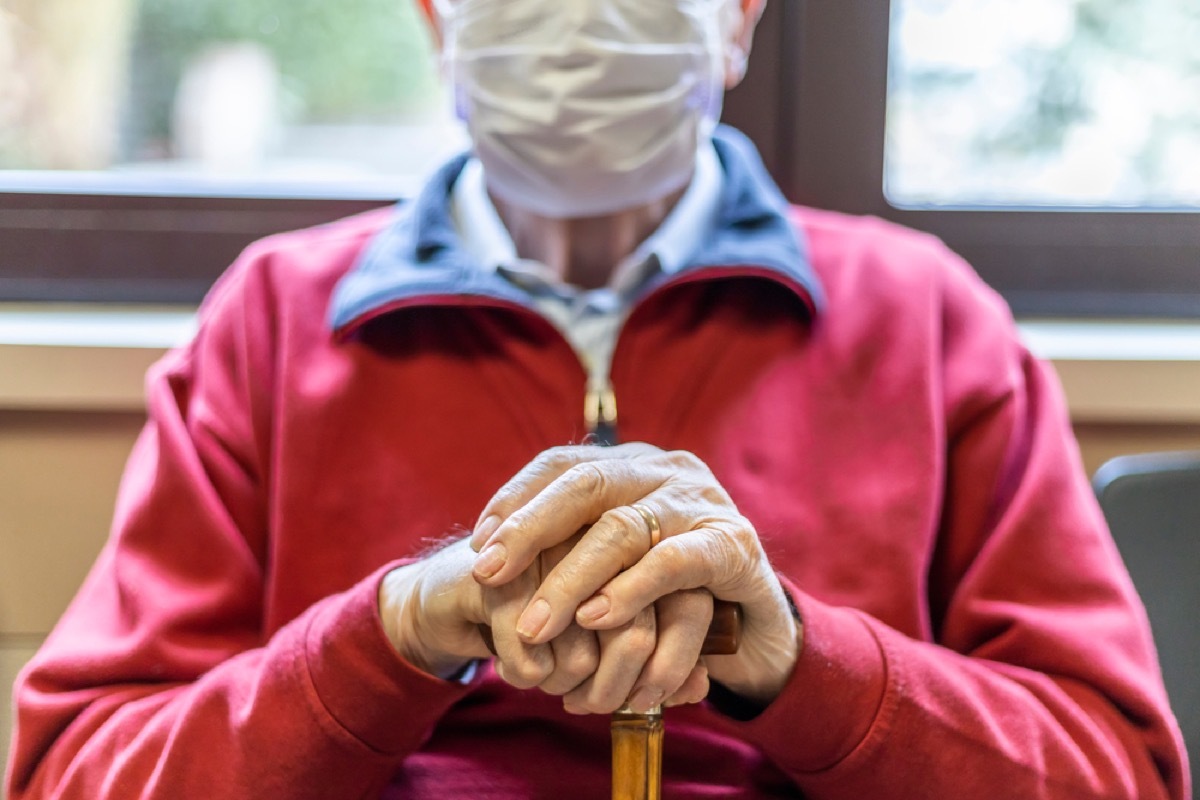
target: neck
<point>583,251</point>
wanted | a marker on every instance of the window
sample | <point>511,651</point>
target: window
<point>248,92</point>
<point>817,101</point>
<point>1043,103</point>
<point>1051,260</point>
<point>144,142</point>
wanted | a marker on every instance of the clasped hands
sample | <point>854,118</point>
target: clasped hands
<point>582,604</point>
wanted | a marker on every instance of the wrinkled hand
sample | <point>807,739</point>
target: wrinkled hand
<point>610,577</point>
<point>431,611</point>
<point>595,671</point>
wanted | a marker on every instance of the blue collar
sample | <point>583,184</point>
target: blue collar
<point>421,256</point>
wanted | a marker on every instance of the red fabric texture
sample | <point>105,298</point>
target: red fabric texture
<point>970,631</point>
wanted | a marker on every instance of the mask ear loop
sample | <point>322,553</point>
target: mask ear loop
<point>445,13</point>
<point>708,95</point>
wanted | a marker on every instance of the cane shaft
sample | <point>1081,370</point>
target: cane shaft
<point>637,739</point>
<point>637,755</point>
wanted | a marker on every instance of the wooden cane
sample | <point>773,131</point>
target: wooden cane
<point>637,739</point>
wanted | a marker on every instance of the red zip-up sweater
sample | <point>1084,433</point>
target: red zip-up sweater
<point>969,630</point>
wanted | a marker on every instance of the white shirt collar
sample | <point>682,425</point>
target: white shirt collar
<point>478,223</point>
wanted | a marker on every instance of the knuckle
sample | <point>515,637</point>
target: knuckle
<point>672,677</point>
<point>585,478</point>
<point>640,450</point>
<point>597,706</point>
<point>713,494</point>
<point>527,670</point>
<point>687,458</point>
<point>549,457</point>
<point>566,587</point>
<point>621,528</point>
<point>738,552</point>
<point>580,698</point>
<point>511,675</point>
<point>599,701</point>
<point>559,584</point>
<point>692,691</point>
<point>722,548</point>
<point>639,641</point>
<point>608,705</point>
<point>744,538</point>
<point>687,462</point>
<point>670,562</point>
<point>577,665</point>
<point>548,465</point>
<point>560,683</point>
<point>508,496</point>
<point>518,520</point>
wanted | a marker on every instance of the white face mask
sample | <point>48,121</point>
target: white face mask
<point>585,107</point>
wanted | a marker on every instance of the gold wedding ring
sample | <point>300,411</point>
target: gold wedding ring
<point>651,522</point>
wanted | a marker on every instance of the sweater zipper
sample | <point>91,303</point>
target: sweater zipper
<point>600,407</point>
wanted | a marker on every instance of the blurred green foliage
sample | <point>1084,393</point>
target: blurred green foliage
<point>1111,77</point>
<point>1106,32</point>
<point>345,61</point>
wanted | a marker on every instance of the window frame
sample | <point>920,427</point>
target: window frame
<point>107,248</point>
<point>814,102</point>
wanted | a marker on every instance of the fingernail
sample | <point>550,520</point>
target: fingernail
<point>490,560</point>
<point>484,531</point>
<point>533,619</point>
<point>645,699</point>
<point>593,609</point>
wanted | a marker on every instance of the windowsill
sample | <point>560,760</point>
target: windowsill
<point>1079,340</point>
<point>94,358</point>
<point>83,357</point>
<point>1123,372</point>
<point>97,326</point>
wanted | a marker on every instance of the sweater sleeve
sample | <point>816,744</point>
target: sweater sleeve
<point>159,680</point>
<point>1040,679</point>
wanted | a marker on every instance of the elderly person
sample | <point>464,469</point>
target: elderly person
<point>386,434</point>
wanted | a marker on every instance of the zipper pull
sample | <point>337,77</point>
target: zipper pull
<point>600,412</point>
